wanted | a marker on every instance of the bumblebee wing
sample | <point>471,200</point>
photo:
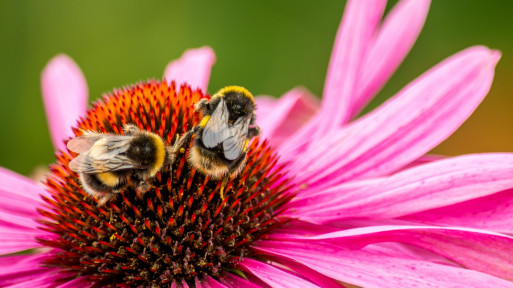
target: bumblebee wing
<point>106,154</point>
<point>216,129</point>
<point>83,143</point>
<point>234,145</point>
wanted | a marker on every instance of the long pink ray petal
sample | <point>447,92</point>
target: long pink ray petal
<point>193,67</point>
<point>354,37</point>
<point>21,268</point>
<point>19,195</point>
<point>311,274</point>
<point>408,251</point>
<point>479,250</point>
<point>40,280</point>
<point>208,282</point>
<point>407,126</point>
<point>278,119</point>
<point>231,280</point>
<point>273,276</point>
<point>65,96</point>
<point>493,212</point>
<point>437,184</point>
<point>399,31</point>
<point>15,241</point>
<point>423,160</point>
<point>368,269</point>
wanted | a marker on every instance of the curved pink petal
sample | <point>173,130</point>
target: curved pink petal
<point>370,269</point>
<point>424,160</point>
<point>311,274</point>
<point>408,251</point>
<point>354,37</point>
<point>492,212</point>
<point>437,184</point>
<point>15,270</point>
<point>278,119</point>
<point>397,35</point>
<point>65,96</point>
<point>231,280</point>
<point>19,196</point>
<point>193,67</point>
<point>405,127</point>
<point>274,276</point>
<point>208,282</point>
<point>479,250</point>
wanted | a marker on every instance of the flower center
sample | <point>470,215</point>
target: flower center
<point>180,230</point>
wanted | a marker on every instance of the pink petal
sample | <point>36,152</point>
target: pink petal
<point>479,250</point>
<point>493,212</point>
<point>399,31</point>
<point>40,280</point>
<point>273,276</point>
<point>231,280</point>
<point>15,270</point>
<point>193,67</point>
<point>423,160</point>
<point>208,282</point>
<point>369,269</point>
<point>311,274</point>
<point>19,197</point>
<point>354,37</point>
<point>407,126</point>
<point>65,96</point>
<point>278,119</point>
<point>408,251</point>
<point>437,184</point>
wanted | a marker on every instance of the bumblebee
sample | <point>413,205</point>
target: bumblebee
<point>221,138</point>
<point>109,163</point>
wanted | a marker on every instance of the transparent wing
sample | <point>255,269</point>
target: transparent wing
<point>233,146</point>
<point>83,143</point>
<point>106,154</point>
<point>216,129</point>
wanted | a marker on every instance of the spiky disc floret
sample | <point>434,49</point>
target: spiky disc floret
<point>181,229</point>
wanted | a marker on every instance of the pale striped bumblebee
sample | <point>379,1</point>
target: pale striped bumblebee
<point>109,163</point>
<point>221,138</point>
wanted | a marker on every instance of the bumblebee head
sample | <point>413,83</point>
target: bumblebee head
<point>239,101</point>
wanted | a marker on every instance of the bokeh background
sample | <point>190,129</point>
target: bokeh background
<point>267,46</point>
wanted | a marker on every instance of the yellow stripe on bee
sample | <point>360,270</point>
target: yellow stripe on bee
<point>160,155</point>
<point>236,89</point>
<point>204,121</point>
<point>246,144</point>
<point>108,178</point>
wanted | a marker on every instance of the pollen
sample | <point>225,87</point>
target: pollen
<point>180,230</point>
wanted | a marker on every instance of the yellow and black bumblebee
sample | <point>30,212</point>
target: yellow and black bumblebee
<point>109,163</point>
<point>221,138</point>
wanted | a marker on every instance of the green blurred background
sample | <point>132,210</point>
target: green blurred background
<point>267,46</point>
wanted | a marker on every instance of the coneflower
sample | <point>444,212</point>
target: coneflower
<point>320,203</point>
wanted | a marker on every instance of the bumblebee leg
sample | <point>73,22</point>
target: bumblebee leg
<point>237,166</point>
<point>105,198</point>
<point>226,179</point>
<point>201,105</point>
<point>253,132</point>
<point>141,185</point>
<point>180,144</point>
